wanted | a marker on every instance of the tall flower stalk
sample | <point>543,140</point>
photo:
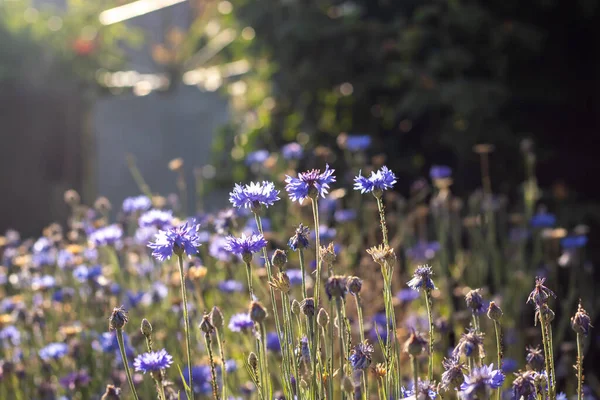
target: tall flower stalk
<point>117,321</point>
<point>495,313</point>
<point>581,324</point>
<point>186,319</point>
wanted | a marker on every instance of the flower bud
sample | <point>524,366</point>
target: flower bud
<point>323,318</point>
<point>72,198</point>
<point>102,205</point>
<point>279,259</point>
<point>146,328</point>
<point>247,257</point>
<point>295,307</point>
<point>494,312</point>
<point>111,393</point>
<point>415,344</point>
<point>216,317</point>
<point>474,301</point>
<point>535,358</point>
<point>354,285</point>
<point>581,321</point>
<point>253,361</point>
<point>335,287</point>
<point>206,326</point>
<point>308,307</point>
<point>257,312</point>
<point>118,318</point>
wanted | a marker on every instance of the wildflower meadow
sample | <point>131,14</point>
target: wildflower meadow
<point>313,281</point>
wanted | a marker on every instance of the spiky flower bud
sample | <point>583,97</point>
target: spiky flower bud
<point>279,259</point>
<point>216,317</point>
<point>257,312</point>
<point>295,307</point>
<point>415,344</point>
<point>307,306</point>
<point>382,255</point>
<point>118,318</point>
<point>354,285</point>
<point>206,326</point>
<point>535,358</point>
<point>327,254</point>
<point>146,328</point>
<point>323,318</point>
<point>581,321</point>
<point>494,312</point>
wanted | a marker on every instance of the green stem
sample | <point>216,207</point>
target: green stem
<point>547,357</point>
<point>415,369</point>
<point>190,392</point>
<point>579,366</point>
<point>384,231</point>
<point>249,278</point>
<point>303,271</point>
<point>213,373</point>
<point>265,359</point>
<point>315,210</point>
<point>223,369</point>
<point>125,363</point>
<point>429,304</point>
<point>497,330</point>
<point>341,334</point>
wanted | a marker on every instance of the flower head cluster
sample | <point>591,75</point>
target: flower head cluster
<point>254,195</point>
<point>160,219</point>
<point>180,239</point>
<point>581,321</point>
<point>540,294</point>
<point>480,382</point>
<point>300,238</point>
<point>153,361</point>
<point>422,279</point>
<point>379,181</point>
<point>470,345</point>
<point>135,204</point>
<point>245,245</point>
<point>360,358</point>
<point>453,375</point>
<point>312,183</point>
<point>106,236</point>
<point>241,322</point>
<point>524,385</point>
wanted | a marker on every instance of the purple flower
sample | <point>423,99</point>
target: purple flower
<point>240,322</point>
<point>106,236</point>
<point>422,279</point>
<point>423,251</point>
<point>341,216</point>
<point>53,351</point>
<point>10,337</point>
<point>75,380</point>
<point>246,244</point>
<point>480,381</point>
<point>218,248</point>
<point>407,295</point>
<point>360,358</point>
<point>540,293</point>
<point>453,376</point>
<point>254,195</point>
<point>440,172</point>
<point>201,377</point>
<point>137,203</point>
<point>379,181</point>
<point>524,386</point>
<point>273,343</point>
<point>300,238</point>
<point>543,220</point>
<point>180,239</point>
<point>309,184</point>
<point>292,151</point>
<point>295,276</point>
<point>156,218</point>
<point>230,286</point>
<point>357,142</point>
<point>153,361</point>
<point>574,242</point>
<point>257,157</point>
<point>426,391</point>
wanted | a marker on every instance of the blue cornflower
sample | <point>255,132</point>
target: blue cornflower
<point>240,322</point>
<point>341,216</point>
<point>509,365</point>
<point>106,236</point>
<point>426,391</point>
<point>524,385</point>
<point>540,293</point>
<point>407,295</point>
<point>153,361</point>
<point>43,282</point>
<point>440,172</point>
<point>245,245</point>
<point>273,343</point>
<point>309,184</point>
<point>475,301</point>
<point>379,181</point>
<point>574,242</point>
<point>218,248</point>
<point>181,239</point>
<point>230,286</point>
<point>10,337</point>
<point>292,151</point>
<point>326,234</point>
<point>422,279</point>
<point>42,245</point>
<point>360,358</point>
<point>75,380</point>
<point>543,220</point>
<point>423,251</point>
<point>295,276</point>
<point>257,157</point>
<point>300,238</point>
<point>561,396</point>
<point>357,142</point>
<point>254,195</point>
<point>202,378</point>
<point>134,204</point>
<point>160,219</point>
<point>53,351</point>
<point>480,382</point>
<point>83,273</point>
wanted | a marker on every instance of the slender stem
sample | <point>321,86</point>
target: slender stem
<point>223,369</point>
<point>313,354</point>
<point>213,372</point>
<point>429,304</point>
<point>551,353</point>
<point>249,278</point>
<point>125,363</point>
<point>332,348</point>
<point>315,210</point>
<point>497,330</point>
<point>360,317</point>
<point>579,366</point>
<point>265,360</point>
<point>384,231</point>
<point>303,271</point>
<point>547,360</point>
<point>161,390</point>
<point>190,393</point>
<point>415,369</point>
<point>341,334</point>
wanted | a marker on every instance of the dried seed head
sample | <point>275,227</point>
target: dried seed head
<point>111,393</point>
<point>295,307</point>
<point>415,344</point>
<point>474,301</point>
<point>494,312</point>
<point>206,326</point>
<point>335,287</point>
<point>382,255</point>
<point>281,282</point>
<point>118,318</point>
<point>327,254</point>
